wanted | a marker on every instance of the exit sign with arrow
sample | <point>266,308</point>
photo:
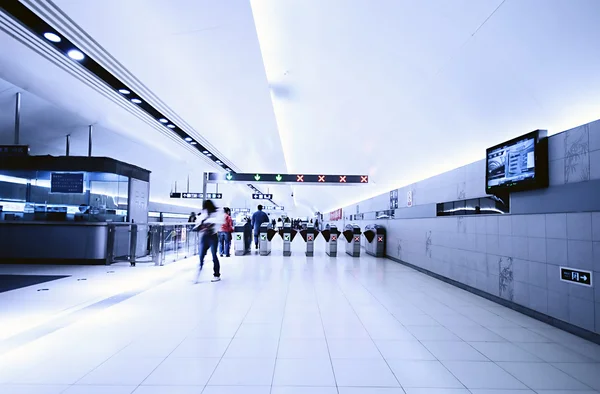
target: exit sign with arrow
<point>576,276</point>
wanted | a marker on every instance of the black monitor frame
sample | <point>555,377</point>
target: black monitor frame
<point>540,180</point>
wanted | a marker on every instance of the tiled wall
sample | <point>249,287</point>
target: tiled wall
<point>516,257</point>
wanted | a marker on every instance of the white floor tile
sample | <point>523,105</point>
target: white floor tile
<point>371,390</point>
<point>542,376</point>
<point>243,372</point>
<point>353,348</point>
<point>504,351</point>
<point>122,371</point>
<point>87,389</point>
<point>588,373</point>
<point>182,371</point>
<point>519,334</point>
<point>202,347</point>
<point>303,390</point>
<point>476,334</point>
<point>552,352</point>
<point>413,390</point>
<point>482,375</point>
<point>404,350</point>
<point>252,348</point>
<point>484,391</point>
<point>32,389</point>
<point>363,373</point>
<point>303,372</point>
<point>171,390</point>
<point>258,330</point>
<point>303,348</point>
<point>424,374</point>
<point>431,333</point>
<point>459,351</point>
<point>236,390</point>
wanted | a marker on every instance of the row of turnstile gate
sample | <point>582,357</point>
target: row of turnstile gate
<point>374,236</point>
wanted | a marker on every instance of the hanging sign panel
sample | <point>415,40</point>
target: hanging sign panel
<point>288,178</point>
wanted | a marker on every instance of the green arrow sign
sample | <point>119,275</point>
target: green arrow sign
<point>257,177</point>
<point>278,178</point>
<point>229,176</point>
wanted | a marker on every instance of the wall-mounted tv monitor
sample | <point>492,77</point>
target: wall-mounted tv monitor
<point>517,165</point>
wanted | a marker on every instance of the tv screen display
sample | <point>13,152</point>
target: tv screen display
<point>518,164</point>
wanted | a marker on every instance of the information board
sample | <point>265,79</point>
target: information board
<point>66,182</point>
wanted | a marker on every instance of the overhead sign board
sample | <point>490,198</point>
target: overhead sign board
<point>14,150</point>
<point>576,276</point>
<point>211,196</point>
<point>66,182</point>
<point>288,178</point>
<point>260,196</point>
<point>273,208</point>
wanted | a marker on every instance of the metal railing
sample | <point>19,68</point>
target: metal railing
<point>150,242</point>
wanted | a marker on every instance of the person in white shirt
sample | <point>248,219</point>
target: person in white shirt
<point>209,223</point>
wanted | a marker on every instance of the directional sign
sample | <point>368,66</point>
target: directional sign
<point>238,237</point>
<point>310,237</point>
<point>258,196</point>
<point>286,237</point>
<point>577,276</point>
<point>320,179</point>
<point>212,196</point>
<point>273,208</point>
<point>14,150</point>
<point>333,237</point>
<point>263,237</point>
<point>379,239</point>
<point>357,239</point>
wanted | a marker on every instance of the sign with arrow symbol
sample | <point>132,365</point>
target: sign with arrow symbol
<point>577,276</point>
<point>229,176</point>
<point>278,178</point>
<point>257,177</point>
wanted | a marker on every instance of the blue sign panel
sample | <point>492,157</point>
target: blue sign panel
<point>66,182</point>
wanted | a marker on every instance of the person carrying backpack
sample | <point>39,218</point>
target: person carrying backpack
<point>209,223</point>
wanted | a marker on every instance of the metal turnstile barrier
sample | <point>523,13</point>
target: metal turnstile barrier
<point>265,236</point>
<point>287,234</point>
<point>375,237</point>
<point>309,235</point>
<point>240,244</point>
<point>352,235</point>
<point>331,235</point>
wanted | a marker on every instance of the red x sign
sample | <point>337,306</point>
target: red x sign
<point>310,237</point>
<point>333,237</point>
<point>299,178</point>
<point>342,178</point>
<point>364,179</point>
<point>379,239</point>
<point>357,239</point>
<point>321,178</point>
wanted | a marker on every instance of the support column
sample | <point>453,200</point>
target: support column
<point>90,132</point>
<point>17,117</point>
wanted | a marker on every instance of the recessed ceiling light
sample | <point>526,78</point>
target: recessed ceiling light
<point>124,91</point>
<point>188,139</point>
<point>163,120</point>
<point>208,154</point>
<point>171,126</point>
<point>76,54</point>
<point>136,100</point>
<point>52,37</point>
<point>228,169</point>
<point>205,152</point>
<point>193,142</point>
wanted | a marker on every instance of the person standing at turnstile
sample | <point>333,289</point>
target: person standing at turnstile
<point>225,234</point>
<point>258,218</point>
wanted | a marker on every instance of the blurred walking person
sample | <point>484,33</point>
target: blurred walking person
<point>209,223</point>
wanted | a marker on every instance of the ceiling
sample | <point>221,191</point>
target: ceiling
<point>398,89</point>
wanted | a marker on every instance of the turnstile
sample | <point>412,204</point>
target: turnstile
<point>241,244</point>
<point>375,236</point>
<point>309,236</point>
<point>331,235</point>
<point>287,236</point>
<point>264,243</point>
<point>352,235</point>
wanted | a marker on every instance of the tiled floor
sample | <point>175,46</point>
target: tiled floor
<point>278,325</point>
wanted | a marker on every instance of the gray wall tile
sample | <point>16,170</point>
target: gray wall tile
<point>493,244</point>
<point>594,135</point>
<point>553,281</point>
<point>580,254</point>
<point>578,291</point>
<point>505,245</point>
<point>556,225</point>
<point>537,249</point>
<point>556,172</point>
<point>521,270</point>
<point>595,226</point>
<point>521,293</point>
<point>581,313</point>
<point>558,305</point>
<point>598,317</point>
<point>579,226</point>
<point>536,226</point>
<point>504,225</point>
<point>556,146</point>
<point>537,274</point>
<point>519,225</point>
<point>556,251</point>
<point>520,248</point>
<point>538,299</point>
<point>595,165</point>
<point>596,256</point>
<point>491,224</point>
